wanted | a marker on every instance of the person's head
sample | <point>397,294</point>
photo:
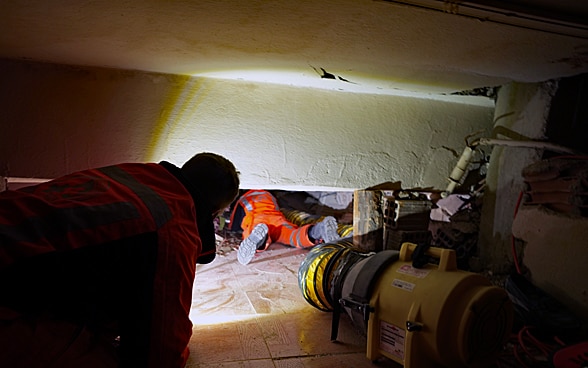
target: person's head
<point>214,177</point>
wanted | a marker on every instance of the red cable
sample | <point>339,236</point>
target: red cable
<point>534,351</point>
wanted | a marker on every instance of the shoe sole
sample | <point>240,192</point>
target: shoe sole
<point>331,233</point>
<point>248,247</point>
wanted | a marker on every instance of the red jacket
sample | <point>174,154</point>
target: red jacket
<point>140,220</point>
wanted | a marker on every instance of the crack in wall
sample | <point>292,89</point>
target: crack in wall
<point>326,75</point>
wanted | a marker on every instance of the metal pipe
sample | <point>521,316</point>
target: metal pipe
<point>525,144</point>
<point>466,156</point>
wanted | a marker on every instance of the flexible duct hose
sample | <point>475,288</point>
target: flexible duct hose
<point>301,218</point>
<point>322,272</point>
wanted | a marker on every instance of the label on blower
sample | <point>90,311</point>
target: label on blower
<point>404,285</point>
<point>414,272</point>
<point>392,339</point>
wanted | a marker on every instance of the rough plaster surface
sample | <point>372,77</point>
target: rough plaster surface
<point>556,254</point>
<point>521,113</point>
<point>381,44</point>
<point>59,119</point>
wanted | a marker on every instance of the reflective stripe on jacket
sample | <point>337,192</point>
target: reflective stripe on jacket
<point>260,206</point>
<point>100,206</point>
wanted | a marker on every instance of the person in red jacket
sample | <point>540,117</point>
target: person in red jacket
<point>97,267</point>
<point>258,215</point>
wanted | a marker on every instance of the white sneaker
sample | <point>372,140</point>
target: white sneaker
<point>325,230</point>
<point>254,241</point>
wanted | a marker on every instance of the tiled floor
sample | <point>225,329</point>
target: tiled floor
<point>255,316</point>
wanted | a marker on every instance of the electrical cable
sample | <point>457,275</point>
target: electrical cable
<point>512,238</point>
<point>528,351</point>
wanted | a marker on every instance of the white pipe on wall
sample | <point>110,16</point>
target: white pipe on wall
<point>461,168</point>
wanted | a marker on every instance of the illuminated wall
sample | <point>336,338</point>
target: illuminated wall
<point>58,119</point>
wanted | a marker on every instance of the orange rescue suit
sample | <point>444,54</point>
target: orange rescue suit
<point>262,207</point>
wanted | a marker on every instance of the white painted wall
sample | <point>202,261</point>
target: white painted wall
<point>58,119</point>
<point>521,113</point>
<point>555,254</point>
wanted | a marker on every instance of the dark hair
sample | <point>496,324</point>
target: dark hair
<point>214,177</point>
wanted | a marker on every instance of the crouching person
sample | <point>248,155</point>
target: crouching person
<point>97,267</point>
